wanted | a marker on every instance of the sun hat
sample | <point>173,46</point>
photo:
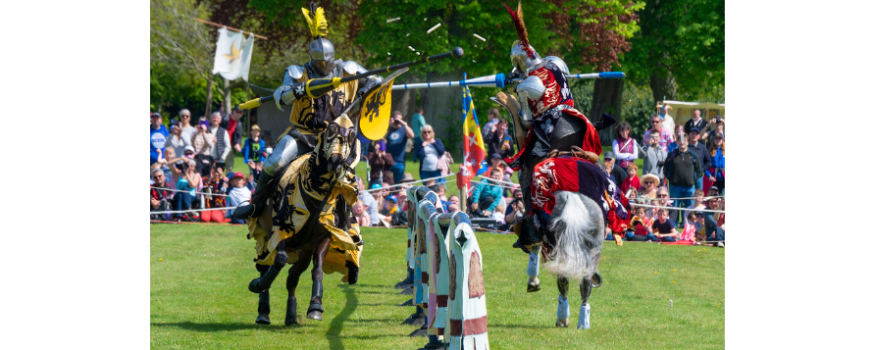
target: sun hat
<point>652,177</point>
<point>407,178</point>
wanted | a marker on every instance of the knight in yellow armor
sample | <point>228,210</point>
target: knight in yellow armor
<point>311,106</point>
<point>311,113</point>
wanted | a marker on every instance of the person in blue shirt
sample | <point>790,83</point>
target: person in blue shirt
<point>396,143</point>
<point>418,121</point>
<point>487,196</point>
<point>157,137</point>
<point>253,151</point>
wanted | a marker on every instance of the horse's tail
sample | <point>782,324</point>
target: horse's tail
<point>579,227</point>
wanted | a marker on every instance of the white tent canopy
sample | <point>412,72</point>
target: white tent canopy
<point>682,111</point>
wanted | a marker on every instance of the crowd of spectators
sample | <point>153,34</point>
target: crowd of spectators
<point>679,165</point>
<point>188,163</point>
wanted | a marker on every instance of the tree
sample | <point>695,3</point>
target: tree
<point>680,52</point>
<point>595,35</point>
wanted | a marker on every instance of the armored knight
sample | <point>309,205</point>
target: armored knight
<point>547,108</point>
<point>312,106</point>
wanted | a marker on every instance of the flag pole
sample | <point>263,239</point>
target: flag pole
<point>229,28</point>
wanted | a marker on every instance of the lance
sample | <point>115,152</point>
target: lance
<point>498,81</point>
<point>316,87</point>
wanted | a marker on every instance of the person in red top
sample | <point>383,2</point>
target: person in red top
<point>632,181</point>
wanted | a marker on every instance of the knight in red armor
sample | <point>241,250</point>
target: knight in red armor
<point>548,96</point>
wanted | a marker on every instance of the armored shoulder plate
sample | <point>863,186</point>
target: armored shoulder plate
<point>353,68</point>
<point>559,63</point>
<point>533,86</point>
<point>293,73</point>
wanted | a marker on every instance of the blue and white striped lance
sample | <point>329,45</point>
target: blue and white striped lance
<point>497,81</point>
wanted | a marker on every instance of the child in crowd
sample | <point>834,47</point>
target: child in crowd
<point>238,194</point>
<point>632,195</point>
<point>253,148</point>
<point>699,197</point>
<point>390,206</point>
<point>691,228</point>
<point>639,227</point>
<point>663,228</point>
<point>631,182</point>
<point>361,216</point>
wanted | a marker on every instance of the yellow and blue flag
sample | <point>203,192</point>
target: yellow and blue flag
<point>473,145</point>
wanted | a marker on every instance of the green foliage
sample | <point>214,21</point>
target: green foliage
<point>198,297</point>
<point>683,39</point>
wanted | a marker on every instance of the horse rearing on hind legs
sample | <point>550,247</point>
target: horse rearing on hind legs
<point>311,219</point>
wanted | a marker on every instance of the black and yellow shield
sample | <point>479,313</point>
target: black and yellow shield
<point>377,111</point>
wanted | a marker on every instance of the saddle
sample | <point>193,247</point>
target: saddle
<point>575,152</point>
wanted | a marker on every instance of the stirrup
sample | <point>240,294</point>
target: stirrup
<point>244,211</point>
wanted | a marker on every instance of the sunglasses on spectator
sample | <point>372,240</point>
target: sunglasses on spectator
<point>648,182</point>
<point>662,195</point>
<point>655,121</point>
<point>426,132</point>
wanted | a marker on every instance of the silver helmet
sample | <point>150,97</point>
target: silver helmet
<point>521,60</point>
<point>322,56</point>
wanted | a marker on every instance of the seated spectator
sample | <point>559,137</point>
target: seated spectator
<point>691,227</point>
<point>515,211</point>
<point>452,208</point>
<point>632,181</point>
<point>713,229</point>
<point>698,201</point>
<point>238,194</point>
<point>253,151</point>
<point>369,202</point>
<point>377,191</point>
<point>486,197</point>
<point>361,216</point>
<point>189,181</point>
<point>381,163</point>
<point>713,191</point>
<point>390,206</point>
<point>217,185</point>
<point>649,183</point>
<point>498,216</point>
<point>453,205</point>
<point>441,191</point>
<point>639,227</point>
<point>160,200</point>
<point>250,182</point>
<point>632,195</point>
<point>664,228</point>
<point>402,201</point>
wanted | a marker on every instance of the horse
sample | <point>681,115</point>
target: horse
<point>577,224</point>
<point>311,219</point>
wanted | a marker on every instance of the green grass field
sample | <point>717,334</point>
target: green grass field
<point>198,297</point>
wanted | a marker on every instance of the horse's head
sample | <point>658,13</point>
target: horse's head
<point>338,146</point>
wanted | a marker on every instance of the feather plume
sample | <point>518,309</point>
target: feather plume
<point>521,32</point>
<point>318,24</point>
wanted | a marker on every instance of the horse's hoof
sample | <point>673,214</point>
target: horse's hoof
<point>407,303</point>
<point>292,311</point>
<point>596,280</point>
<point>562,323</point>
<point>314,315</point>
<point>407,291</point>
<point>262,319</point>
<point>253,286</point>
<point>533,287</point>
<point>402,285</point>
<point>417,320</point>
<point>292,320</point>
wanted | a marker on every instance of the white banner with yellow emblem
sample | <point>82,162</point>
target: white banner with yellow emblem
<point>233,53</point>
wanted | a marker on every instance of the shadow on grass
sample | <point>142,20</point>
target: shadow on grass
<point>226,327</point>
<point>336,327</point>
